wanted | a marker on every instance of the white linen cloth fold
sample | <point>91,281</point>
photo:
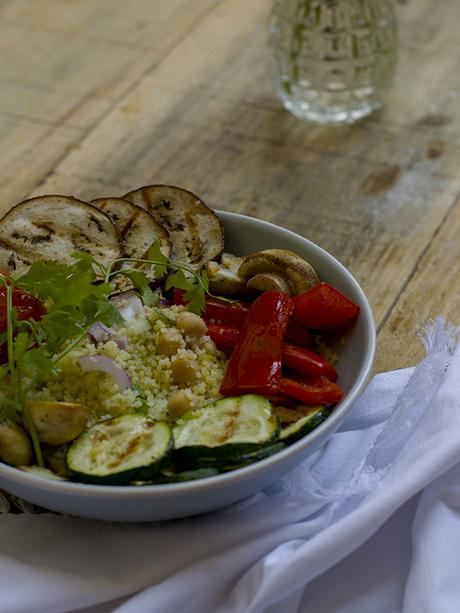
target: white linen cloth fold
<point>372,523</point>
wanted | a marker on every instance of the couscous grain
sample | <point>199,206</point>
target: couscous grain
<point>152,373</point>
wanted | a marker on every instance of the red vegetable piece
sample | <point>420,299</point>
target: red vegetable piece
<point>294,357</point>
<point>255,363</point>
<point>299,335</point>
<point>313,392</point>
<point>323,307</point>
<point>228,312</point>
<point>25,305</point>
<point>224,335</point>
<point>307,361</point>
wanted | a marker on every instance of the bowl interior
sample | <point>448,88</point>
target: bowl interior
<point>156,502</point>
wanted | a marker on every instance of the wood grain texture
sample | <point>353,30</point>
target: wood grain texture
<point>100,97</point>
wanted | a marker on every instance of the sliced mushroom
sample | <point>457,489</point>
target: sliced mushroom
<point>58,422</point>
<point>289,270</point>
<point>267,281</point>
<point>194,230</point>
<point>15,446</point>
<point>224,278</point>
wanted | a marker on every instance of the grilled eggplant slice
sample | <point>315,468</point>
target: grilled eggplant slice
<point>52,228</point>
<point>194,230</point>
<point>137,228</point>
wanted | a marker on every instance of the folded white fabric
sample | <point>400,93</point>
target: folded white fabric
<point>331,536</point>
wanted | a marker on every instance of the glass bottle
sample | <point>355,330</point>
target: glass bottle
<point>332,59</point>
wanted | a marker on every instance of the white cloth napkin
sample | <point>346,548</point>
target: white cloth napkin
<point>372,525</point>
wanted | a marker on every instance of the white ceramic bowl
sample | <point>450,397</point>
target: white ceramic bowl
<point>159,502</point>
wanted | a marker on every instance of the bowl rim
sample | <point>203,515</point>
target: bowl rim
<point>97,491</point>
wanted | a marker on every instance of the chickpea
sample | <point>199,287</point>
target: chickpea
<point>169,342</point>
<point>191,324</point>
<point>209,345</point>
<point>179,403</point>
<point>184,369</point>
<point>15,446</point>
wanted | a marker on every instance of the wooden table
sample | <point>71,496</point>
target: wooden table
<point>98,97</point>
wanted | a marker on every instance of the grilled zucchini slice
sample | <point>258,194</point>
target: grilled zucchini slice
<point>119,450</point>
<point>223,432</point>
<point>254,456</point>
<point>311,419</point>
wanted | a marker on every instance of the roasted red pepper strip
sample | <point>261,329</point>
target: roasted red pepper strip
<point>307,361</point>
<point>323,307</point>
<point>316,391</point>
<point>294,357</point>
<point>228,312</point>
<point>255,363</point>
<point>299,335</point>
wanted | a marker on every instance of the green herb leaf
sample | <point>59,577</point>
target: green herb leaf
<point>37,364</point>
<point>179,280</point>
<point>10,408</point>
<point>61,283</point>
<point>141,285</point>
<point>154,253</point>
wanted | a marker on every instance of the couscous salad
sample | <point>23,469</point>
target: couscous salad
<point>135,350</point>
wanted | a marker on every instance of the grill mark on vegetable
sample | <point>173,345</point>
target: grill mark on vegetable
<point>97,223</point>
<point>9,247</point>
<point>125,452</point>
<point>12,261</point>
<point>44,226</point>
<point>195,249</point>
<point>80,236</point>
<point>128,228</point>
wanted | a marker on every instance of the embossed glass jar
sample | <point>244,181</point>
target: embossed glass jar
<point>332,59</point>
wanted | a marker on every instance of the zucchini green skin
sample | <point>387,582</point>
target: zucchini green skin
<point>255,456</point>
<point>224,432</point>
<point>297,430</point>
<point>120,450</point>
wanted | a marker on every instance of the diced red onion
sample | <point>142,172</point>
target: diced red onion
<point>121,341</point>
<point>128,304</point>
<point>100,333</point>
<point>105,364</point>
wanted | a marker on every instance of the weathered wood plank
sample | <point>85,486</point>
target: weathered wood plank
<point>64,65</point>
